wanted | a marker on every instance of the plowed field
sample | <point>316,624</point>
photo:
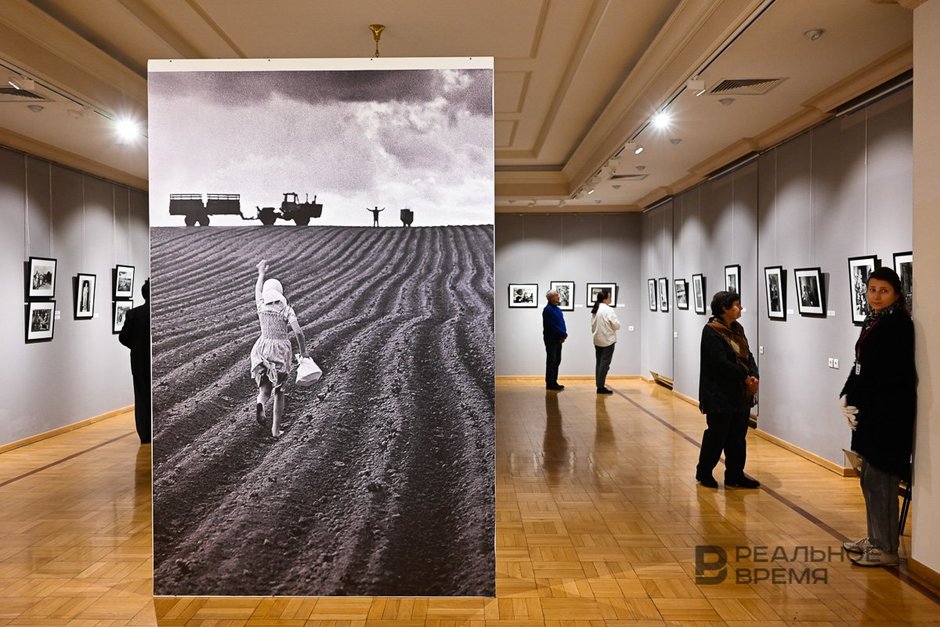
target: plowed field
<point>383,482</point>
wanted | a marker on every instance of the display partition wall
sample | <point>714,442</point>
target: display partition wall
<point>87,225</point>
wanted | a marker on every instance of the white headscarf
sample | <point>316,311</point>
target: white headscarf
<point>272,292</point>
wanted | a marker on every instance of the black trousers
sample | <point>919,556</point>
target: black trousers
<point>142,410</point>
<point>552,361</point>
<point>727,431</point>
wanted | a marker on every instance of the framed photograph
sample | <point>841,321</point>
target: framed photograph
<point>682,293</point>
<point>809,291</point>
<point>663,294</point>
<point>776,286</point>
<point>565,291</point>
<point>40,321</point>
<point>904,266</point>
<point>733,279</point>
<point>85,285</point>
<point>120,309</point>
<point>523,295</point>
<point>651,287</point>
<point>593,289</point>
<point>123,282</point>
<point>859,269</point>
<point>698,293</point>
<point>41,278</point>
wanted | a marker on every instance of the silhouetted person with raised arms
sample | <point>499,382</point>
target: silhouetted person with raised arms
<point>135,334</point>
<point>375,214</point>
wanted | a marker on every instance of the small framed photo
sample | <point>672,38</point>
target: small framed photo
<point>593,289</point>
<point>41,278</point>
<point>565,291</point>
<point>776,286</point>
<point>809,291</point>
<point>651,288</point>
<point>40,321</point>
<point>523,295</point>
<point>698,293</point>
<point>682,293</point>
<point>859,269</point>
<point>663,289</point>
<point>85,285</point>
<point>733,279</point>
<point>904,266</point>
<point>123,282</point>
<point>120,309</point>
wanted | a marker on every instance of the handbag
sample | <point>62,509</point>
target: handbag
<point>308,372</point>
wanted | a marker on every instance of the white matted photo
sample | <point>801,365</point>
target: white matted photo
<point>663,289</point>
<point>904,266</point>
<point>523,295</point>
<point>651,294</point>
<point>593,289</point>
<point>565,291</point>
<point>41,277</point>
<point>733,279</point>
<point>809,291</point>
<point>698,293</point>
<point>119,311</point>
<point>776,287</point>
<point>859,270</point>
<point>85,285</point>
<point>682,293</point>
<point>40,321</point>
<point>123,282</point>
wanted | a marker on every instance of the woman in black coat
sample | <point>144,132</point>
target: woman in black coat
<point>728,381</point>
<point>879,402</point>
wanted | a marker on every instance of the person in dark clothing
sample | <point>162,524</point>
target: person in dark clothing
<point>879,401</point>
<point>728,382</point>
<point>554,333</point>
<point>135,334</point>
<point>375,214</point>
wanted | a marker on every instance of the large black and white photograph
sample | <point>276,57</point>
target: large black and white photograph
<point>40,321</point>
<point>593,289</point>
<point>776,289</point>
<point>523,295</point>
<point>662,287</point>
<point>859,269</point>
<point>809,291</point>
<point>85,285</point>
<point>698,293</point>
<point>682,293</point>
<point>41,273</point>
<point>123,281</point>
<point>565,291</point>
<point>733,279</point>
<point>904,266</point>
<point>339,210</point>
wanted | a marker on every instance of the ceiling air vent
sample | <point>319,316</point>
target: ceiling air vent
<point>745,86</point>
<point>8,94</point>
<point>628,177</point>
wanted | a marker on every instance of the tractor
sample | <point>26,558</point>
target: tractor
<point>291,209</point>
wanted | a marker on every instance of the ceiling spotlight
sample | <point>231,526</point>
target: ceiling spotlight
<point>562,203</point>
<point>638,150</point>
<point>512,201</point>
<point>616,185</point>
<point>696,86</point>
<point>35,108</point>
<point>661,120</point>
<point>128,130</point>
<point>22,82</point>
<point>597,202</point>
<point>641,167</point>
<point>532,203</point>
<point>675,141</point>
<point>814,33</point>
<point>590,190</point>
<point>726,101</point>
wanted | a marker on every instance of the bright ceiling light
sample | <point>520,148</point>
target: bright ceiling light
<point>590,190</point>
<point>638,150</point>
<point>128,130</point>
<point>661,120</point>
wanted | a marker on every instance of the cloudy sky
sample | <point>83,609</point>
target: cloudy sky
<point>418,139</point>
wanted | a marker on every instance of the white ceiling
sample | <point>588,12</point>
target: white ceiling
<point>575,79</point>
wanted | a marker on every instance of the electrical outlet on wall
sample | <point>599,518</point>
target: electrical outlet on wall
<point>760,350</point>
<point>630,328</point>
<point>835,364</point>
<point>830,362</point>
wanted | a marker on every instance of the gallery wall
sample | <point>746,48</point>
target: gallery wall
<point>89,225</point>
<point>584,248</point>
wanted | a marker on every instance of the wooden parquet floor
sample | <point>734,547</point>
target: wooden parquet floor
<point>598,520</point>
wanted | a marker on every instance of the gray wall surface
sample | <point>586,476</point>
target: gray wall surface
<point>658,256</point>
<point>584,248</point>
<point>84,371</point>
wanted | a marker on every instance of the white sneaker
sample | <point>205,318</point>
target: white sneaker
<point>858,546</point>
<point>873,556</point>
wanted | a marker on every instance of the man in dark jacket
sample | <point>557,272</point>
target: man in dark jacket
<point>135,334</point>
<point>554,333</point>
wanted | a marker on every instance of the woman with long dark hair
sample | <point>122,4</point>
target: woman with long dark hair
<point>604,327</point>
<point>879,401</point>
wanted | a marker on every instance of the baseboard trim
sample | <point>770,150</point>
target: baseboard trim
<point>575,377</point>
<point>927,575</point>
<point>65,429</point>
<point>842,471</point>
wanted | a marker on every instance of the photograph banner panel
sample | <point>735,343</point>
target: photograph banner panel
<point>350,219</point>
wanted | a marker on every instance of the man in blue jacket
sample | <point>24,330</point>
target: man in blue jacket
<point>554,333</point>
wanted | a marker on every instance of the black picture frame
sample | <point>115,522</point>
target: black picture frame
<point>523,295</point>
<point>733,278</point>
<point>904,266</point>
<point>40,321</point>
<point>40,278</point>
<point>859,270</point>
<point>810,291</point>
<point>775,286</point>
<point>681,287</point>
<point>663,288</point>
<point>651,289</point>
<point>594,288</point>
<point>698,293</point>
<point>85,287</point>
<point>565,291</point>
<point>123,281</point>
<point>119,309</point>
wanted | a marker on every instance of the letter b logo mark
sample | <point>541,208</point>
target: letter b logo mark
<point>710,558</point>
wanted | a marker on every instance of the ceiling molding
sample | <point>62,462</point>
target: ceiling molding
<point>910,4</point>
<point>566,210</point>
<point>894,63</point>
<point>159,27</point>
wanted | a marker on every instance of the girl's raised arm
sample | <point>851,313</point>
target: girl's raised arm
<point>262,268</point>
